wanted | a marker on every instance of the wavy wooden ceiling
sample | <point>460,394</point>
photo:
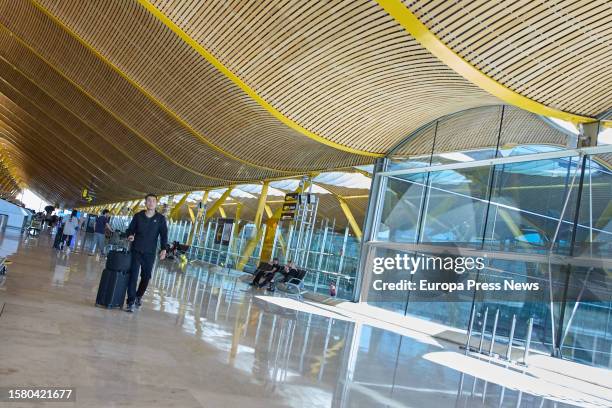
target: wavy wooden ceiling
<point>128,94</point>
<point>556,52</point>
<point>480,128</point>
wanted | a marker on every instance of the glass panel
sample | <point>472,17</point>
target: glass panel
<point>414,152</point>
<point>594,232</point>
<point>394,300</point>
<point>587,328</point>
<point>456,206</point>
<point>483,127</point>
<point>526,205</point>
<point>403,198</point>
<point>527,233</point>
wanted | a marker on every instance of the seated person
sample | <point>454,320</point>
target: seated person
<point>283,275</point>
<point>265,269</point>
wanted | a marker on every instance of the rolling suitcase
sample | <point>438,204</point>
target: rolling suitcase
<point>114,280</point>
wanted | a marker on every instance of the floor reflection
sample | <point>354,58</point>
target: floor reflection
<point>295,353</point>
<point>283,342</point>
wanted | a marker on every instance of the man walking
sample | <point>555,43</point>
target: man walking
<point>100,229</point>
<point>144,230</point>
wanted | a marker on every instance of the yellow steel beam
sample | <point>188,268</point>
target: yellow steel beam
<point>120,207</point>
<point>349,216</point>
<point>238,182</point>
<point>128,206</point>
<point>135,207</point>
<point>243,85</point>
<point>191,214</point>
<point>114,208</point>
<point>175,211</point>
<point>360,171</point>
<point>222,212</point>
<point>510,223</point>
<point>261,204</point>
<point>213,209</point>
<point>272,224</point>
<point>437,47</point>
<point>238,212</point>
<point>250,246</point>
<point>269,211</point>
<point>270,214</point>
<point>204,202</point>
<point>350,197</point>
<point>146,93</point>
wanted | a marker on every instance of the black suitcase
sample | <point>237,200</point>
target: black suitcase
<point>114,280</point>
<point>118,260</point>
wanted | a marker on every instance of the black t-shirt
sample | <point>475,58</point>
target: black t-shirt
<point>146,230</point>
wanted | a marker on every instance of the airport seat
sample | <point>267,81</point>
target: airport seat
<point>294,284</point>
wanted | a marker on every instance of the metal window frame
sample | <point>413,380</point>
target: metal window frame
<point>500,160</point>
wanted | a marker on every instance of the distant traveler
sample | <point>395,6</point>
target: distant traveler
<point>283,275</point>
<point>100,229</point>
<point>71,225</point>
<point>144,230</point>
<point>265,269</point>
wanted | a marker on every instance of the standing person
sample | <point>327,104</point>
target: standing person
<point>144,230</point>
<point>59,232</point>
<point>71,226</point>
<point>100,229</point>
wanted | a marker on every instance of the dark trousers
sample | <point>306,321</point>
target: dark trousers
<point>142,263</point>
<point>67,239</point>
<point>259,273</point>
<point>273,275</point>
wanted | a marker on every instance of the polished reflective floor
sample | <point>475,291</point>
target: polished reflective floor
<point>204,339</point>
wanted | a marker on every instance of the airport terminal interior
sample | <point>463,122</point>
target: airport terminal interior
<point>339,139</point>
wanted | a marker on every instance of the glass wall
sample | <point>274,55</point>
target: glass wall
<point>331,255</point>
<point>535,214</point>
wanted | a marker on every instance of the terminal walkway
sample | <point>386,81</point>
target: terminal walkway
<point>203,338</point>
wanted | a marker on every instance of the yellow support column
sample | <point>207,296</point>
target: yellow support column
<point>135,207</point>
<point>215,207</point>
<point>421,33</point>
<point>113,209</point>
<point>272,225</point>
<point>250,246</point>
<point>261,203</point>
<point>281,240</point>
<point>349,216</point>
<point>175,211</point>
<point>122,206</point>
